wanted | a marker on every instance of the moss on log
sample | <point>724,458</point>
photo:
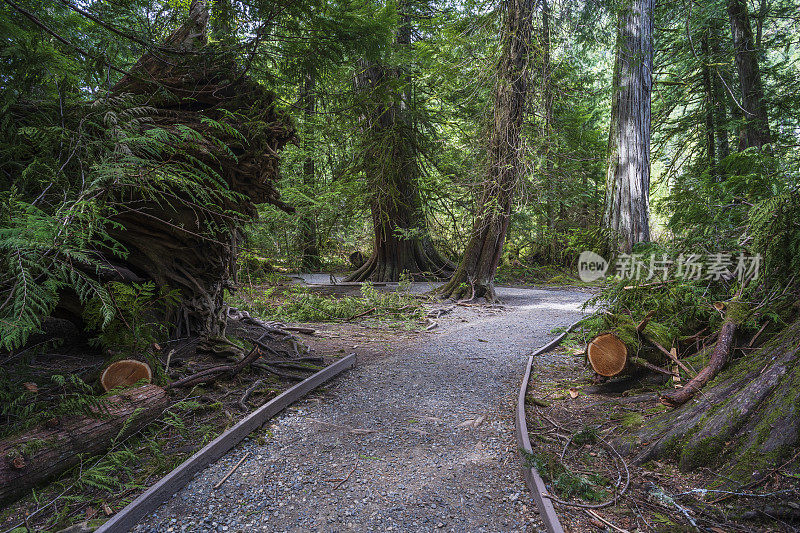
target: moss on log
<point>747,419</point>
<point>43,453</point>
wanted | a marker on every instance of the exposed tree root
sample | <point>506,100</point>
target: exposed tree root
<point>416,258</point>
<point>748,418</point>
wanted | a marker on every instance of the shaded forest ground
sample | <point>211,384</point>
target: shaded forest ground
<point>102,485</point>
<point>576,426</point>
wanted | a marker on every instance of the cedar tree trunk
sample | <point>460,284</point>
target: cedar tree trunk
<point>401,242</point>
<point>756,125</point>
<point>628,176</point>
<point>474,277</point>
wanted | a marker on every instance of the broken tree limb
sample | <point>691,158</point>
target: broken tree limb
<point>246,396</point>
<point>231,471</point>
<point>280,373</point>
<point>673,356</point>
<point>718,359</point>
<point>638,361</point>
<point>645,320</point>
<point>210,374</point>
<point>736,312</point>
<point>42,453</point>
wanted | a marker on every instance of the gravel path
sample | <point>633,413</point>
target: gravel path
<point>419,440</point>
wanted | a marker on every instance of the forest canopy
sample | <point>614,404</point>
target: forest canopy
<point>158,159</point>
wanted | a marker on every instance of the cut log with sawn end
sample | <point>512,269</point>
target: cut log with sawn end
<point>43,453</point>
<point>627,347</point>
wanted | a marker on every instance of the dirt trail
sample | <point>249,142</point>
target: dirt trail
<point>419,440</point>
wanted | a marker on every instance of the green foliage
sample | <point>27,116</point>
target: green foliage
<point>587,435</point>
<point>775,234</point>
<point>138,319</point>
<point>60,395</point>
<point>568,484</point>
<point>58,217</point>
<point>297,304</point>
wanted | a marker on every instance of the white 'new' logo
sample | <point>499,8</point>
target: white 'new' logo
<point>591,266</point>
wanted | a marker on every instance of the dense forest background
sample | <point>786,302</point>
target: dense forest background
<point>162,161</point>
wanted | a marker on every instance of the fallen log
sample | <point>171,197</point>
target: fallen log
<point>607,354</point>
<point>623,348</point>
<point>43,453</point>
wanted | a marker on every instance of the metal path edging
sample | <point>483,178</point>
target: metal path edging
<point>128,517</point>
<point>532,478</point>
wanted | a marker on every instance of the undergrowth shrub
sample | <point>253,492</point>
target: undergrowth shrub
<point>297,304</point>
<point>25,405</point>
<point>138,318</point>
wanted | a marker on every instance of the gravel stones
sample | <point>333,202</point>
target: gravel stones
<point>386,446</point>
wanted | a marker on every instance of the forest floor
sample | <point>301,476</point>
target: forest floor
<point>418,437</point>
<point>574,425</point>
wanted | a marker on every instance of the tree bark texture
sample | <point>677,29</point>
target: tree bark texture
<point>310,260</point>
<point>43,453</point>
<point>746,421</point>
<point>551,187</point>
<point>756,131</point>
<point>628,176</point>
<point>710,106</point>
<point>180,244</point>
<point>401,243</point>
<point>474,277</point>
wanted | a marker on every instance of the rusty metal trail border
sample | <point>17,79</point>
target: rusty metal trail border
<point>128,517</point>
<point>532,478</point>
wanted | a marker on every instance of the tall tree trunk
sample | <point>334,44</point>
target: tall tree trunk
<point>756,124</point>
<point>628,176</point>
<point>401,242</point>
<point>710,104</point>
<point>721,98</point>
<point>552,200</point>
<point>474,277</point>
<point>308,226</point>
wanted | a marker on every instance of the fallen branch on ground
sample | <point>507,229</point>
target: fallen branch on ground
<point>718,360</point>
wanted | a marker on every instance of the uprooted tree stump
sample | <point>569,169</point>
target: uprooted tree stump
<point>176,214</point>
<point>179,244</point>
<point>747,418</point>
<point>43,453</point>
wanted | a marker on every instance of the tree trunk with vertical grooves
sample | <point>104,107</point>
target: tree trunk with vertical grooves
<point>628,176</point>
<point>547,100</point>
<point>756,131</point>
<point>721,98</point>
<point>401,242</point>
<point>710,106</point>
<point>474,277</point>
